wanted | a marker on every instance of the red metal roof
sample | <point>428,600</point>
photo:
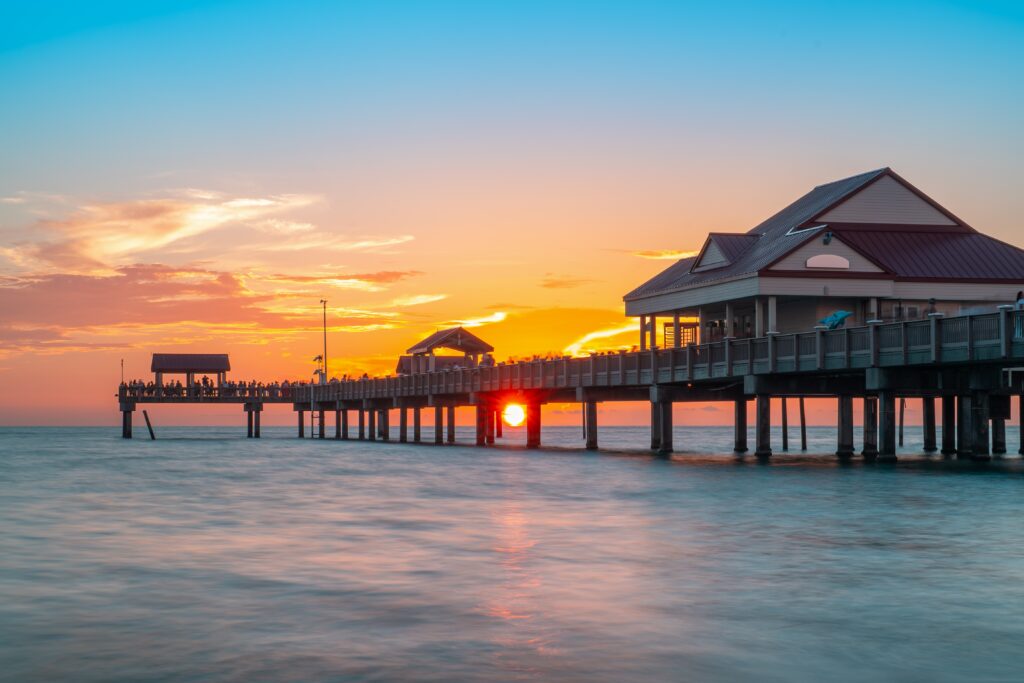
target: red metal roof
<point>939,255</point>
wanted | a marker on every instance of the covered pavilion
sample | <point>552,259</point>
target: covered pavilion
<point>190,364</point>
<point>422,356</point>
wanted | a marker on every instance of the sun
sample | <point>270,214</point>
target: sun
<point>514,415</point>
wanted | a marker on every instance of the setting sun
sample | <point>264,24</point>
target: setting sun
<point>513,415</point>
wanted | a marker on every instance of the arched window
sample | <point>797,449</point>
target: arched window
<point>828,261</point>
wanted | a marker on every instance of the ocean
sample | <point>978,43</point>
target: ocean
<point>204,556</point>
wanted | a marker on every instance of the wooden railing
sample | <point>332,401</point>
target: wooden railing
<point>959,339</point>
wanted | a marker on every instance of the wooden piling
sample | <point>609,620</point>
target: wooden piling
<point>256,422</point>
<point>590,416</point>
<point>416,425</point>
<point>948,425</point>
<point>439,425</point>
<point>337,424</point>
<point>403,424</point>
<point>321,430</point>
<point>870,448</point>
<point>763,426</point>
<point>980,408</point>
<point>248,423</point>
<point>126,424</point>
<point>302,423</point>
<point>451,424</point>
<point>903,410</point>
<point>497,423</point>
<point>739,425</point>
<point>928,423</point>
<point>655,426</point>
<point>844,445</point>
<point>152,436</point>
<point>964,427</point>
<point>998,436</point>
<point>665,441</point>
<point>803,426</point>
<point>362,424</point>
<point>886,426</point>
<point>533,424</point>
<point>785,424</point>
<point>1020,423</point>
<point>371,424</point>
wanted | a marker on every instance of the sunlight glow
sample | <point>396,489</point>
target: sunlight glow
<point>514,415</point>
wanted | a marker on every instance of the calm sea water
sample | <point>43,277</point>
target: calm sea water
<point>205,557</point>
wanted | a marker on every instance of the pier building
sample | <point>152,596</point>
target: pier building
<point>933,310</point>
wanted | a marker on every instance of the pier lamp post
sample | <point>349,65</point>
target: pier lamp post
<point>323,377</point>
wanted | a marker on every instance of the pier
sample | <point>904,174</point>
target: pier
<point>967,363</point>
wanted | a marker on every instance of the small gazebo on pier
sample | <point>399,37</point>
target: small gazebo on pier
<point>190,365</point>
<point>421,357</point>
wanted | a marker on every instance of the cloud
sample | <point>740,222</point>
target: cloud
<point>496,317</point>
<point>584,345</point>
<point>314,284</point>
<point>417,300</point>
<point>664,254</point>
<point>553,282</point>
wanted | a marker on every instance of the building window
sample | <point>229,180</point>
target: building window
<point>831,261</point>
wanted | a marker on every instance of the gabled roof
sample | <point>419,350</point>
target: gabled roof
<point>190,362</point>
<point>727,246</point>
<point>790,228</point>
<point>946,255</point>
<point>456,339</point>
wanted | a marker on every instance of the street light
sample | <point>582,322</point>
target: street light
<point>323,376</point>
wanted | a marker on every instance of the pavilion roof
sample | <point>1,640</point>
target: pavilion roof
<point>190,362</point>
<point>456,338</point>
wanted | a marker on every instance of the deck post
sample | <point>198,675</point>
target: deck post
<point>739,437</point>
<point>998,436</point>
<point>643,333</point>
<point>886,426</point>
<point>337,423</point>
<point>980,408</point>
<point>489,416</point>
<point>451,424</point>
<point>870,449</point>
<point>844,444</point>
<point>655,426</point>
<point>344,424</point>
<point>1020,423</point>
<point>590,412</point>
<point>248,423</point>
<point>763,426</point>
<point>302,423</point>
<point>403,424</point>
<point>257,411</point>
<point>126,424</point>
<point>948,425</point>
<point>417,428</point>
<point>785,424</point>
<point>665,444</point>
<point>964,427</point>
<point>371,426</point>
<point>320,428</point>
<point>533,424</point>
<point>384,426</point>
<point>438,425</point>
<point>362,424</point>
<point>481,424</point>
<point>928,423</point>
<point>803,426</point>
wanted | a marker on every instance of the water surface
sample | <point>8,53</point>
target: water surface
<point>205,557</point>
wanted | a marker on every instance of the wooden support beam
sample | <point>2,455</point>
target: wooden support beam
<point>590,417</point>
<point>417,435</point>
<point>438,425</point>
<point>256,423</point>
<point>248,424</point>
<point>763,426</point>
<point>928,423</point>
<point>302,423</point>
<point>489,414</point>
<point>844,445</point>
<point>451,424</point>
<point>740,425</point>
<point>533,424</point>
<point>948,425</point>
<point>152,436</point>
<point>371,424</point>
<point>903,411</point>
<point>126,424</point>
<point>870,449</point>
<point>321,432</point>
<point>362,424</point>
<point>998,436</point>
<point>887,426</point>
<point>403,424</point>
<point>497,422</point>
<point>803,426</point>
<point>1020,424</point>
<point>655,426</point>
<point>964,427</point>
<point>785,424</point>
<point>337,424</point>
<point>481,424</point>
<point>980,408</point>
<point>665,442</point>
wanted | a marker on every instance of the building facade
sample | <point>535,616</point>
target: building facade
<point>872,245</point>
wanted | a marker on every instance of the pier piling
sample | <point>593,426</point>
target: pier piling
<point>740,425</point>
<point>438,425</point>
<point>928,423</point>
<point>870,447</point>
<point>665,444</point>
<point>948,425</point>
<point>980,418</point>
<point>886,426</point>
<point>403,424</point>
<point>803,426</point>
<point>785,424</point>
<point>763,426</point>
<point>362,424</point>
<point>590,415</point>
<point>451,424</point>
<point>844,448</point>
<point>533,424</point>
<point>964,427</point>
<point>302,423</point>
<point>416,425</point>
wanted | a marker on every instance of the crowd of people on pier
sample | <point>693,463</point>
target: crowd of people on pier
<point>206,388</point>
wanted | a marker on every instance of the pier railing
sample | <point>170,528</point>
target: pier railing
<point>937,339</point>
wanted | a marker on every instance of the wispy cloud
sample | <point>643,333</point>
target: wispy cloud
<point>496,317</point>
<point>417,300</point>
<point>585,344</point>
<point>664,254</point>
<point>554,282</point>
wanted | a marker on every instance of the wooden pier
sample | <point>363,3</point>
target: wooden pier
<point>967,362</point>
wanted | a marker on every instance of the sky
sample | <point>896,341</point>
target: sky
<point>196,176</point>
